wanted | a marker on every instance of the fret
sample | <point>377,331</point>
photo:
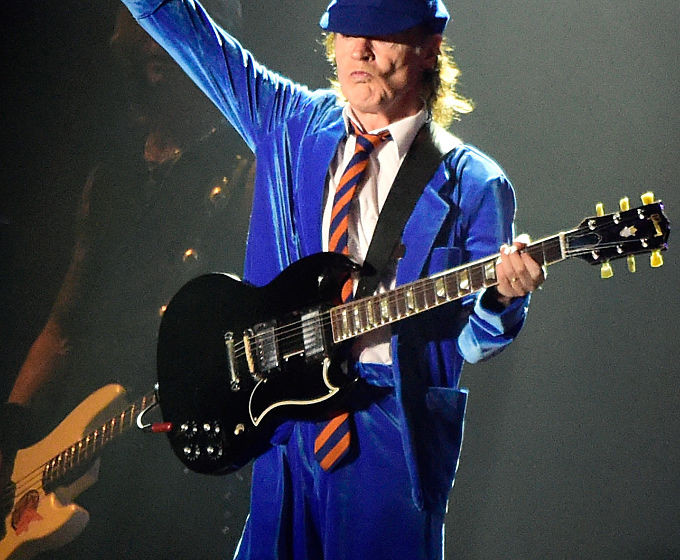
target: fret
<point>365,306</point>
<point>490,273</point>
<point>476,278</point>
<point>392,306</point>
<point>463,277</point>
<point>334,323</point>
<point>340,324</point>
<point>370,317</point>
<point>421,290</point>
<point>350,320</point>
<point>122,421</point>
<point>384,309</point>
<point>556,251</point>
<point>366,315</point>
<point>548,251</point>
<point>440,292</point>
<point>58,464</point>
<point>377,306</point>
<point>356,319</point>
<point>431,294</point>
<point>410,301</point>
<point>451,281</point>
<point>397,311</point>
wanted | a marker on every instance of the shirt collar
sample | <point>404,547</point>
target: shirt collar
<point>403,131</point>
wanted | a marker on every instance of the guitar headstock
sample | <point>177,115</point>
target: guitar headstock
<point>605,237</point>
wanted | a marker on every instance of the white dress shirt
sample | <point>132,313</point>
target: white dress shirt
<point>383,165</point>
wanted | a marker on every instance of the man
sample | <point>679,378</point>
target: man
<point>384,495</point>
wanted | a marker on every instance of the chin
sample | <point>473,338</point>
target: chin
<point>363,104</point>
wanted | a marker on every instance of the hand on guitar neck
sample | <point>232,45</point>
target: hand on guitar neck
<point>518,274</point>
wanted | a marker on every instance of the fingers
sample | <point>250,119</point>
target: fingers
<point>517,273</point>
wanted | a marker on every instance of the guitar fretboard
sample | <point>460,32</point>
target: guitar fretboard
<point>83,451</point>
<point>370,313</point>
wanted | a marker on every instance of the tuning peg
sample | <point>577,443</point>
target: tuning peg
<point>647,198</point>
<point>599,209</point>
<point>624,204</point>
<point>631,263</point>
<point>655,259</point>
<point>606,271</point>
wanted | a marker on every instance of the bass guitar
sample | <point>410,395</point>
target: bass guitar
<point>234,361</point>
<point>37,503</point>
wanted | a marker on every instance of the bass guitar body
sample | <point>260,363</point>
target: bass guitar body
<point>235,360</point>
<point>42,516</point>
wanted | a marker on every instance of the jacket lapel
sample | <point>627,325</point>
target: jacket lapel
<point>316,153</point>
<point>421,231</point>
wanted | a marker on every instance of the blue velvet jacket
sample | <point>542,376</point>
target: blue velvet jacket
<point>465,213</point>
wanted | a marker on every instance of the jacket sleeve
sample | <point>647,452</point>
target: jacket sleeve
<point>488,209</point>
<point>252,98</point>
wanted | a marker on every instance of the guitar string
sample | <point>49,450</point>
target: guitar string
<point>32,480</point>
<point>421,287</point>
<point>418,288</point>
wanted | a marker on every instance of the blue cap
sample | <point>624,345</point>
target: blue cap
<point>368,18</point>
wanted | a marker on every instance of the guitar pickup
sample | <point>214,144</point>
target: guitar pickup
<point>312,333</point>
<point>263,347</point>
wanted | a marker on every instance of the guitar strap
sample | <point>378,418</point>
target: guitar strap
<point>431,145</point>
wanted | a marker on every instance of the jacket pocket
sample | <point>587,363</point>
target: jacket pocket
<point>440,442</point>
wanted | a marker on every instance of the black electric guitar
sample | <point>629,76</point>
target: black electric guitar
<point>234,361</point>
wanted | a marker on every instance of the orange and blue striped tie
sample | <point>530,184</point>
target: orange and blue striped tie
<point>333,442</point>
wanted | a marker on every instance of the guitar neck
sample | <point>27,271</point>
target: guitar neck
<point>83,451</point>
<point>367,314</point>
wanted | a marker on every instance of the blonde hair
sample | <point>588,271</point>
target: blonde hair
<point>440,93</point>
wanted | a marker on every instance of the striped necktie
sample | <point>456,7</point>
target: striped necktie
<point>333,442</point>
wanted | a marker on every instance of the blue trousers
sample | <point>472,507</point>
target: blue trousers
<point>362,509</point>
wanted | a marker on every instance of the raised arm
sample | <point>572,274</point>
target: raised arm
<point>254,99</point>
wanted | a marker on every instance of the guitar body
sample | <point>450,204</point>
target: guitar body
<point>234,360</point>
<point>44,518</point>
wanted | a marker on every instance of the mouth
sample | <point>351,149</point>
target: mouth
<point>360,75</point>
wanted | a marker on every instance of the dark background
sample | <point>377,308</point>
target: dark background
<point>571,446</point>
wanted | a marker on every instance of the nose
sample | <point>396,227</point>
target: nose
<point>361,48</point>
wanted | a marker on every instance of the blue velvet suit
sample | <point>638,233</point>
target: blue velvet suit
<point>390,500</point>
